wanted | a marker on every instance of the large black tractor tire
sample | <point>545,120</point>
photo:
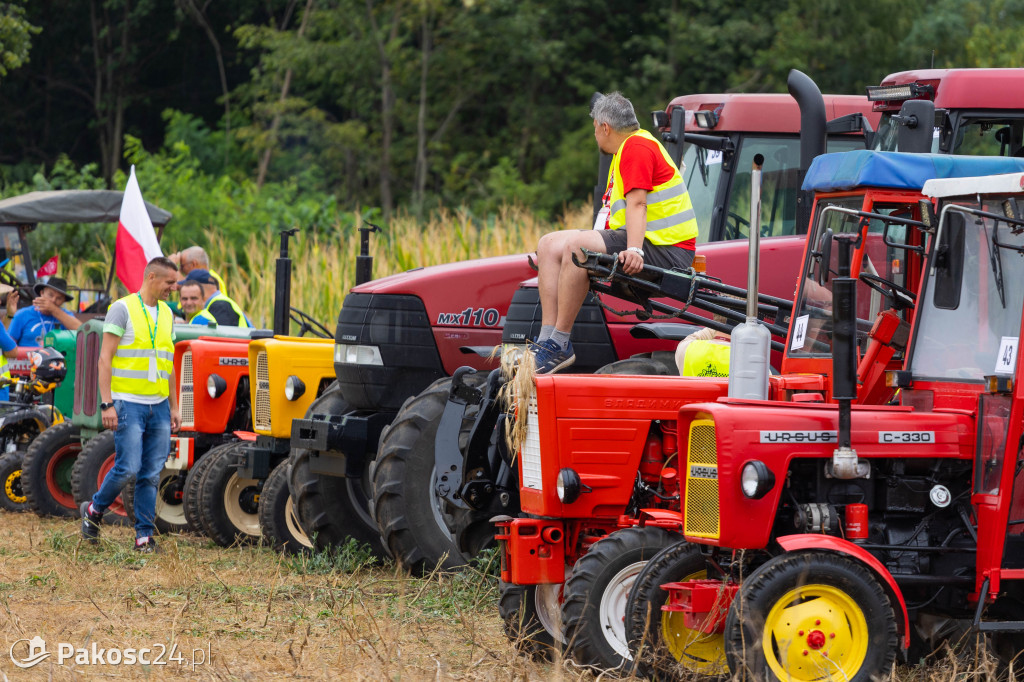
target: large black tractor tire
<point>414,524</point>
<point>228,503</point>
<point>331,509</point>
<point>532,618</point>
<point>190,494</point>
<point>595,595</point>
<point>12,495</point>
<point>659,641</point>
<point>46,471</point>
<point>278,520</point>
<point>91,465</point>
<point>809,616</point>
<point>170,507</point>
<point>659,363</point>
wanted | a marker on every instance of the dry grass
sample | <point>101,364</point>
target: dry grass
<point>262,615</point>
<point>266,616</point>
<point>324,264</point>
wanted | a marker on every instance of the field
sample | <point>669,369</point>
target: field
<point>251,613</point>
<point>247,613</point>
<point>324,264</point>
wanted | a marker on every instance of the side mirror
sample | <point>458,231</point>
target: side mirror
<point>917,126</point>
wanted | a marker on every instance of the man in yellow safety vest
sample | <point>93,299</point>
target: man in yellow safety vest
<point>136,370</point>
<point>647,218</point>
<point>218,307</point>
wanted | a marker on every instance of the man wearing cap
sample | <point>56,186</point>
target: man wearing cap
<point>136,382</point>
<point>192,300</point>
<point>218,308</point>
<point>31,324</point>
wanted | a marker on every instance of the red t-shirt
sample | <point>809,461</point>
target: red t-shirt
<point>643,166</point>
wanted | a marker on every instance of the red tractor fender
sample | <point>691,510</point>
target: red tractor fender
<point>793,543</point>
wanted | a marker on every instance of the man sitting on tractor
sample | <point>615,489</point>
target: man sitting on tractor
<point>647,218</point>
<point>31,324</point>
<point>218,307</point>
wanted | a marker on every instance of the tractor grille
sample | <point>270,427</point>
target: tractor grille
<point>702,481</point>
<point>532,477</point>
<point>186,400</point>
<point>261,410</point>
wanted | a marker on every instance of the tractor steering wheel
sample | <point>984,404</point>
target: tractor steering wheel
<point>902,298</point>
<point>308,324</point>
<point>24,292</point>
<point>733,228</point>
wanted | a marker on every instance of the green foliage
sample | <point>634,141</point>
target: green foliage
<point>15,36</point>
<point>349,558</point>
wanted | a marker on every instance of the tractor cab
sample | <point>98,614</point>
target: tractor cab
<point>976,111</point>
<point>975,286</point>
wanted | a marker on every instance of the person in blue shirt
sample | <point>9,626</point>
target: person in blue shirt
<point>31,324</point>
<point>8,348</point>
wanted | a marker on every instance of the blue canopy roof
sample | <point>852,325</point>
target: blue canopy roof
<point>867,168</point>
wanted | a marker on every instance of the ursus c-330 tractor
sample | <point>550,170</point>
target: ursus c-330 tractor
<point>871,196</point>
<point>834,537</point>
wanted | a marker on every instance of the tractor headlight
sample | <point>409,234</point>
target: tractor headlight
<point>294,388</point>
<point>568,486</point>
<point>756,479</point>
<point>216,385</point>
<point>357,355</point>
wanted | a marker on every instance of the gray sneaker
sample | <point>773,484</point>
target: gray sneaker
<point>90,523</point>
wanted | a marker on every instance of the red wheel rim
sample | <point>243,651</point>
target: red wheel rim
<point>117,507</point>
<point>58,475</point>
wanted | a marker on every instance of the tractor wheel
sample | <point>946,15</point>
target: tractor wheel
<point>659,640</point>
<point>331,509</point>
<point>91,465</point>
<point>228,503</point>
<point>170,507</point>
<point>412,518</point>
<point>531,615</point>
<point>190,494</point>
<point>594,606</point>
<point>12,497</point>
<point>46,471</point>
<point>811,616</point>
<point>278,520</point>
<point>661,363</point>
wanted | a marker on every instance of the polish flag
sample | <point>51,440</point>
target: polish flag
<point>49,268</point>
<point>136,239</point>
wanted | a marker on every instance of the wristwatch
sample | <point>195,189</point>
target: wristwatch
<point>637,250</point>
<point>104,406</point>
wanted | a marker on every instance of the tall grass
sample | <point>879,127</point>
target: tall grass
<point>324,263</point>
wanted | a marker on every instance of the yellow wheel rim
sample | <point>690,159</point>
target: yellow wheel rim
<point>697,651</point>
<point>12,488</point>
<point>815,632</point>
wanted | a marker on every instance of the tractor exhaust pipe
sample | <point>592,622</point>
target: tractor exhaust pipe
<point>845,464</point>
<point>812,135</point>
<point>751,341</point>
<point>364,261</point>
<point>283,286</point>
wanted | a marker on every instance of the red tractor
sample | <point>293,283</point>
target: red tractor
<point>576,492</point>
<point>434,505</point>
<point>831,538</point>
<point>977,111</point>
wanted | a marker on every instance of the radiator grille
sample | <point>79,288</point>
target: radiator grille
<point>261,416</point>
<point>702,481</point>
<point>532,475</point>
<point>186,395</point>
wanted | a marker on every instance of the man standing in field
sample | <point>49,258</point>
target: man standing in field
<point>647,218</point>
<point>136,367</point>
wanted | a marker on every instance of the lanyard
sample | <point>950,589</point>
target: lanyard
<point>156,321</point>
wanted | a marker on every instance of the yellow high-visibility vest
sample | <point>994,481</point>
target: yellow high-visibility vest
<point>670,215</point>
<point>242,322</point>
<point>153,339</point>
<point>706,359</point>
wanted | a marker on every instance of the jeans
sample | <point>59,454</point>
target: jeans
<point>141,445</point>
